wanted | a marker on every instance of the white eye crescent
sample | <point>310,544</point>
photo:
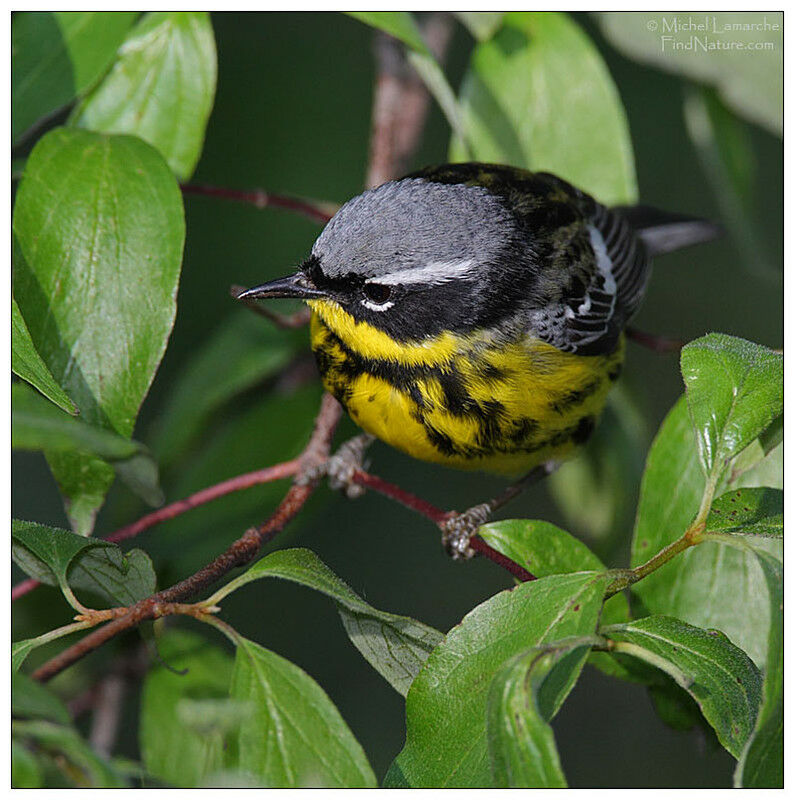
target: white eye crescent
<point>376,296</point>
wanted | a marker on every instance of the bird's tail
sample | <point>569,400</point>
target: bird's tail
<point>664,231</point>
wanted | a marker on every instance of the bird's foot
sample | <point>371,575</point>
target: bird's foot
<point>459,528</point>
<point>344,463</point>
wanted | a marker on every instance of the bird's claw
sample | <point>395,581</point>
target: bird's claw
<point>341,467</point>
<point>458,529</point>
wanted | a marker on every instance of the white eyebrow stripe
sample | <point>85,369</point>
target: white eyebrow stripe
<point>433,273</point>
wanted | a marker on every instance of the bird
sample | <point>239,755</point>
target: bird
<point>472,315</point>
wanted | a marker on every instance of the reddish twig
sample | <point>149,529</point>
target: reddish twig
<point>238,554</point>
<point>438,517</point>
<point>23,587</point>
<point>236,484</point>
<point>476,543</point>
<point>312,209</point>
<point>394,492</point>
<point>660,344</point>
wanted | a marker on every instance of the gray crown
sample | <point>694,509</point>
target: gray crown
<point>408,224</point>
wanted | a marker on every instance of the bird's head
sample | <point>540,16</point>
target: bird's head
<point>411,258</point>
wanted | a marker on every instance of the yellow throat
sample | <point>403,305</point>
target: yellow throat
<point>471,401</point>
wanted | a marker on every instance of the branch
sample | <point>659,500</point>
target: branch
<point>400,101</point>
<point>659,344</point>
<point>438,517</point>
<point>238,554</point>
<point>315,210</point>
<point>236,484</point>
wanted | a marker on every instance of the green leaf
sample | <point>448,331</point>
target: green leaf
<point>25,770</point>
<point>190,670</point>
<point>718,675</point>
<point>735,389</point>
<point>45,553</point>
<point>481,24</point>
<point>521,743</point>
<point>295,737</point>
<point>83,482</point>
<point>56,56</point>
<point>748,78</point>
<point>446,743</point>
<point>98,236</point>
<point>544,549</point>
<point>712,585</point>
<point>395,646</point>
<point>538,95</point>
<point>37,425</point>
<point>21,649</point>
<point>120,579</point>
<point>758,512</point>
<point>401,25</point>
<point>33,700</point>
<point>58,557</point>
<point>760,469</point>
<point>161,87</point>
<point>243,353</point>
<point>27,363</point>
<point>761,764</point>
<point>541,547</point>
<point>84,767</point>
<point>725,149</point>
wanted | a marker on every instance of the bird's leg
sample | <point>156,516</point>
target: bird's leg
<point>348,458</point>
<point>459,528</point>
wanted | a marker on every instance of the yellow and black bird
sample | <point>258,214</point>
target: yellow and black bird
<point>472,315</point>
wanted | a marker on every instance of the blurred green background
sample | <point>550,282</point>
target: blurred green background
<point>292,115</point>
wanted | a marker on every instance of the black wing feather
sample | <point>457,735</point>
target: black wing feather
<point>593,261</point>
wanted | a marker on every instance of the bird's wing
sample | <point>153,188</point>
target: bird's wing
<point>589,266</point>
<point>593,268</point>
<point>602,268</point>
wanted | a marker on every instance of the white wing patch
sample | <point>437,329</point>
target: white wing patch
<point>603,261</point>
<point>430,274</point>
<point>572,327</point>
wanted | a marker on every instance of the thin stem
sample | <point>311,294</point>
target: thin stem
<point>394,492</point>
<point>238,554</point>
<point>286,469</point>
<point>439,517</point>
<point>659,344</point>
<point>625,578</point>
<point>225,628</point>
<point>315,210</point>
<point>23,587</point>
<point>65,630</point>
<point>520,573</point>
<point>67,592</point>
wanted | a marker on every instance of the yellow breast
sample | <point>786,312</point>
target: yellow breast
<point>470,402</point>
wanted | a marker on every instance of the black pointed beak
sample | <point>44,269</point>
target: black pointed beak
<point>298,286</point>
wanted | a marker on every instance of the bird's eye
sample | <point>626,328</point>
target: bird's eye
<point>377,294</point>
